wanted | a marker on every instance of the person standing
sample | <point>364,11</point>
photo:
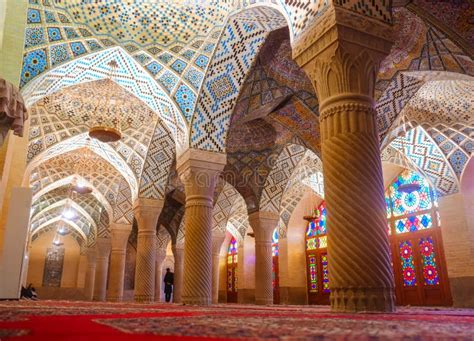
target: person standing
<point>169,281</point>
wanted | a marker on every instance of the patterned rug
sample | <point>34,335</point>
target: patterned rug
<point>60,320</point>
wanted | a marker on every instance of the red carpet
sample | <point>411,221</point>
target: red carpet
<point>59,320</point>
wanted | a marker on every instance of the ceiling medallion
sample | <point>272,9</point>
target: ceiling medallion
<point>107,130</point>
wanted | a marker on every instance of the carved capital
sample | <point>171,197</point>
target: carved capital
<point>263,224</point>
<point>217,240</point>
<point>120,234</point>
<point>199,170</point>
<point>342,52</point>
<point>103,246</point>
<point>147,212</point>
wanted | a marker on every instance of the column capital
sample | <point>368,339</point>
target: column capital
<point>342,51</point>
<point>103,246</point>
<point>120,234</point>
<point>263,224</point>
<point>198,170</point>
<point>147,212</point>
<point>91,254</point>
<point>217,240</point>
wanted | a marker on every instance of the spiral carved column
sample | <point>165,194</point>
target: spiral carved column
<point>217,240</point>
<point>90,273</point>
<point>343,66</point>
<point>160,258</point>
<point>103,246</point>
<point>147,212</point>
<point>263,224</point>
<point>120,234</point>
<point>178,253</point>
<point>198,171</point>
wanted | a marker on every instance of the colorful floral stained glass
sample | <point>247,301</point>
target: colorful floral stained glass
<point>318,225</point>
<point>408,264</point>
<point>405,203</point>
<point>317,243</point>
<point>325,274</point>
<point>388,204</point>
<point>414,223</point>
<point>275,243</point>
<point>313,274</point>
<point>428,256</point>
<point>232,252</point>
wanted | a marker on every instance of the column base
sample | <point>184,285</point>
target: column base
<point>197,300</point>
<point>362,299</point>
<point>263,301</point>
<point>144,299</point>
<point>114,299</point>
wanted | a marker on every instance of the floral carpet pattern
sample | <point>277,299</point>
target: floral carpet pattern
<point>61,320</point>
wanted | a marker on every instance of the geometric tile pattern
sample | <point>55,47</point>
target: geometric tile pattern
<point>43,219</point>
<point>68,112</point>
<point>418,47</point>
<point>223,206</point>
<point>444,109</point>
<point>430,161</point>
<point>156,170</point>
<point>101,151</point>
<point>308,173</point>
<point>130,76</point>
<point>123,208</point>
<point>238,46</point>
<point>380,10</point>
<point>87,202</point>
<point>277,180</point>
<point>103,176</point>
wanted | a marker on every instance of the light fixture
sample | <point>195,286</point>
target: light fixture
<point>409,188</point>
<point>106,130</point>
<point>57,241</point>
<point>69,214</point>
<point>63,231</point>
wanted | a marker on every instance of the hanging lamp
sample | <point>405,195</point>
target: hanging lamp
<point>107,130</point>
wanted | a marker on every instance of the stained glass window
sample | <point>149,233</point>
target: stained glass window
<point>324,263</point>
<point>318,225</point>
<point>430,269</point>
<point>410,211</point>
<point>232,257</point>
<point>414,223</point>
<point>275,243</point>
<point>417,200</point>
<point>313,273</point>
<point>408,263</point>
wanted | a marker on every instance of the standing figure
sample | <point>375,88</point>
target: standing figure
<point>169,279</point>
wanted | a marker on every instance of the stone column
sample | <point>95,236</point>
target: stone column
<point>160,257</point>
<point>263,224</point>
<point>81,268</point>
<point>103,246</point>
<point>178,253</point>
<point>341,54</point>
<point>217,240</point>
<point>198,171</point>
<point>120,234</point>
<point>147,212</point>
<point>90,273</point>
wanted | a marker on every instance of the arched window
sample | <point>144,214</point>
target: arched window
<point>275,268</point>
<point>317,257</point>
<point>415,238</point>
<point>232,261</point>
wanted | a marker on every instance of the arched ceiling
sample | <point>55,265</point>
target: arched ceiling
<point>219,75</point>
